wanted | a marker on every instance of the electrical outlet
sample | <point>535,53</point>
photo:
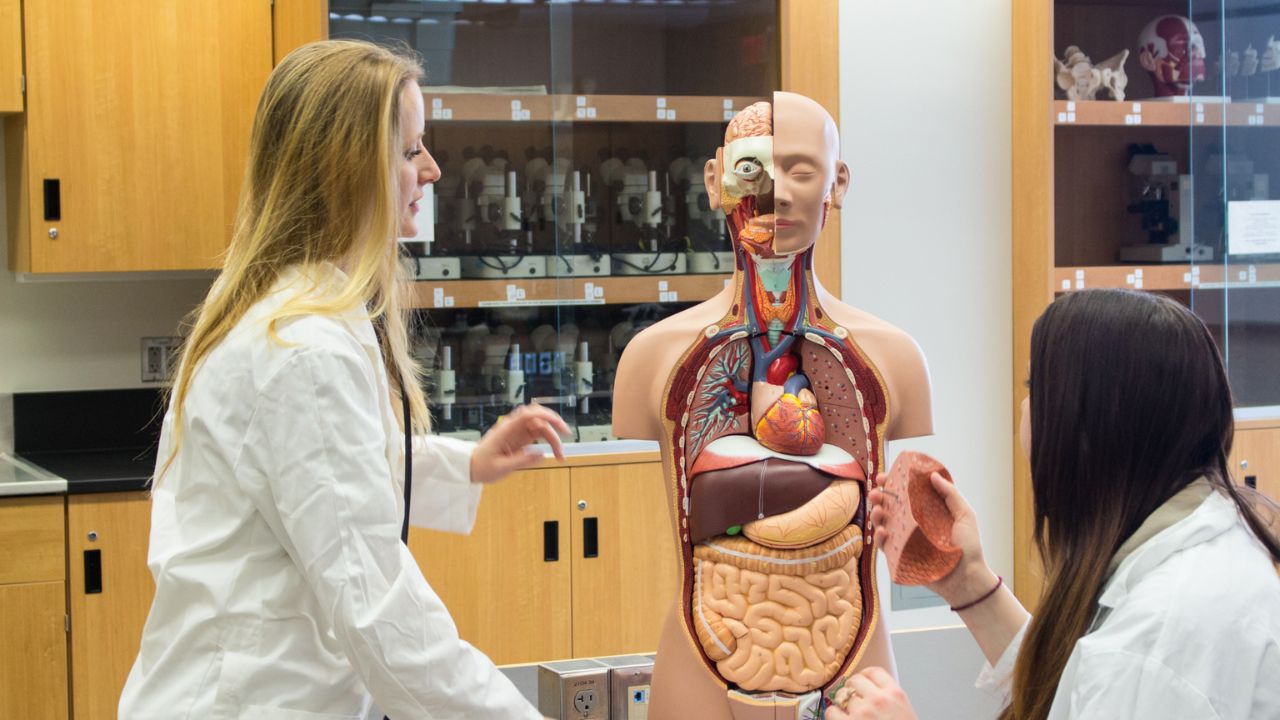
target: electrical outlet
<point>585,701</point>
<point>158,355</point>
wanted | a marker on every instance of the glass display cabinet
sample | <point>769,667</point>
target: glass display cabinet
<point>571,212</point>
<point>1146,141</point>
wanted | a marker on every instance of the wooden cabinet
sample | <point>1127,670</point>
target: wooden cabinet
<point>522,590</point>
<point>1255,458</point>
<point>110,592</point>
<point>505,596</point>
<point>624,572</point>
<point>133,144</point>
<point>33,607</point>
<point>10,56</point>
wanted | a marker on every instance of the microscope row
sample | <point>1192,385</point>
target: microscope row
<point>624,216</point>
<point>481,366</point>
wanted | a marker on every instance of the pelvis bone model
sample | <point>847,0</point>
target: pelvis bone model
<point>772,422</point>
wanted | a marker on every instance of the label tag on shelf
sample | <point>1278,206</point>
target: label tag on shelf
<point>588,290</point>
<point>1137,278</point>
<point>1253,227</point>
<point>1079,279</point>
<point>437,297</point>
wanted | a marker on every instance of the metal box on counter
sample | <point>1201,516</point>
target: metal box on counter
<point>613,688</point>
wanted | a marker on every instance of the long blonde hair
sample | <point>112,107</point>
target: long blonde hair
<point>320,187</point>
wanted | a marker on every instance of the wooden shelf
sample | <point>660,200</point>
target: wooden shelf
<point>619,290</point>
<point>479,107</point>
<point>1164,114</point>
<point>1166,277</point>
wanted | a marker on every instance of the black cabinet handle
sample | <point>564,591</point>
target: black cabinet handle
<point>52,199</point>
<point>590,537</point>
<point>1251,481</point>
<point>551,541</point>
<point>92,572</point>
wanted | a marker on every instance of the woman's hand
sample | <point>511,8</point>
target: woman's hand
<point>971,577</point>
<point>872,694</point>
<point>508,446</point>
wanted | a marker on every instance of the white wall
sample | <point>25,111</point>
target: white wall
<point>79,335</point>
<point>924,114</point>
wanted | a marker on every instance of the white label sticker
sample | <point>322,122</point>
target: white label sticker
<point>1258,108</point>
<point>1137,107</point>
<point>675,296</point>
<point>662,102</point>
<point>1242,276</point>
<point>1062,117</point>
<point>448,301</point>
<point>728,115</point>
<point>511,292</point>
<point>599,291</point>
<point>515,115</point>
<point>582,101</point>
<point>438,297</point>
<point>1066,284</point>
<point>671,114</point>
<point>1071,117</point>
<point>662,114</point>
<point>663,285</point>
<point>526,114</point>
<point>1137,283</point>
<point>520,294</point>
<point>1071,106</point>
<point>728,104</point>
<point>437,102</point>
<point>591,112</point>
<point>588,290</point>
<point>1253,227</point>
<point>515,105</point>
<point>581,113</point>
<point>1200,118</point>
<point>1128,279</point>
<point>448,113</point>
<point>436,113</point>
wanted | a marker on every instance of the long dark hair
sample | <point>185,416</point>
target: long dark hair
<point>1129,404</point>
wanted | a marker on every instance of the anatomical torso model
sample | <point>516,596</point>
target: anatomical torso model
<point>772,403</point>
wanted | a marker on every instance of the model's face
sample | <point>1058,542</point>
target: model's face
<point>805,173</point>
<point>747,188</point>
<point>416,166</point>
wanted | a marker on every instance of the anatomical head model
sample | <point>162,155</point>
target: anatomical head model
<point>1171,49</point>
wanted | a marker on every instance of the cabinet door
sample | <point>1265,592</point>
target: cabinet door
<point>140,112</point>
<point>10,56</point>
<point>33,667</point>
<point>1256,454</point>
<point>624,572</point>
<point>108,605</point>
<point>506,594</point>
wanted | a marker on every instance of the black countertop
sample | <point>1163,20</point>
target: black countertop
<point>96,440</point>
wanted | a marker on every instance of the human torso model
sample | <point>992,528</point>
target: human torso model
<point>771,403</point>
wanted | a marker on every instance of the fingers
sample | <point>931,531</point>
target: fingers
<point>880,677</point>
<point>507,464</point>
<point>862,686</point>
<point>544,431</point>
<point>956,503</point>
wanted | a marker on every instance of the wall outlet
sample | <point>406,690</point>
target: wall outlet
<point>585,701</point>
<point>158,356</point>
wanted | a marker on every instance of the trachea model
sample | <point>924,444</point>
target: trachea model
<point>772,403</point>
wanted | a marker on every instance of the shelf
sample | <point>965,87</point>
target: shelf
<point>482,107</point>
<point>620,290</point>
<point>1164,114</point>
<point>1167,277</point>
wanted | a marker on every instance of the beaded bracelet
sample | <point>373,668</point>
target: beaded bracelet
<point>992,591</point>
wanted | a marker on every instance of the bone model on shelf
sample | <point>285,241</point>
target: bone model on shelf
<point>1081,79</point>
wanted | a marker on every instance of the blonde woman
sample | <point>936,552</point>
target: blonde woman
<point>283,589</point>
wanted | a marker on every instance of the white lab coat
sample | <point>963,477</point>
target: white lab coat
<point>282,588</point>
<point>1188,628</point>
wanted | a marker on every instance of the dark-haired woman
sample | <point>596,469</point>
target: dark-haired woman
<point>1161,598</point>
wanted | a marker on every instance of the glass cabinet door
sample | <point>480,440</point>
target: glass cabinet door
<point>571,212</point>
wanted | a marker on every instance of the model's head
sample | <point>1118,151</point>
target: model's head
<point>1129,403</point>
<point>778,175</point>
<point>336,165</point>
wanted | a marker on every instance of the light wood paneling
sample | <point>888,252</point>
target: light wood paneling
<point>621,597</point>
<point>1032,247</point>
<point>142,111</point>
<point>10,56</point>
<point>106,627</point>
<point>810,63</point>
<point>1260,449</point>
<point>31,540</point>
<point>33,665</point>
<point>505,599</point>
<point>17,200</point>
<point>298,22</point>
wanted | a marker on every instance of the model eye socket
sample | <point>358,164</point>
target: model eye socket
<point>748,169</point>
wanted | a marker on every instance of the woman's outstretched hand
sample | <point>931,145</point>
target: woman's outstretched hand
<point>508,446</point>
<point>971,577</point>
<point>872,694</point>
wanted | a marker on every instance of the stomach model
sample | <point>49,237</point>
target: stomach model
<point>776,421</point>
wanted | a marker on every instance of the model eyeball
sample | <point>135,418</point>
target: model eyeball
<point>748,169</point>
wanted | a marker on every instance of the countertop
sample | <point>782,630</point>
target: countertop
<point>21,478</point>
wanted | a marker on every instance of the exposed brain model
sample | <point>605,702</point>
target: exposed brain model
<point>772,420</point>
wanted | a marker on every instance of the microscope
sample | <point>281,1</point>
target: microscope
<point>711,251</point>
<point>1165,204</point>
<point>499,220</point>
<point>641,205</point>
<point>562,209</point>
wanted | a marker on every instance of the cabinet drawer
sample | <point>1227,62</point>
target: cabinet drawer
<point>32,540</point>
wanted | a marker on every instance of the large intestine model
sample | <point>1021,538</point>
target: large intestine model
<point>777,421</point>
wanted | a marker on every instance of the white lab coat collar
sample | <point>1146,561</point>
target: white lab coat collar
<point>325,279</point>
<point>1216,515</point>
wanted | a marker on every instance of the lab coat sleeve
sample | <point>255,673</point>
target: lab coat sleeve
<point>1121,684</point>
<point>443,496</point>
<point>998,680</point>
<point>321,453</point>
